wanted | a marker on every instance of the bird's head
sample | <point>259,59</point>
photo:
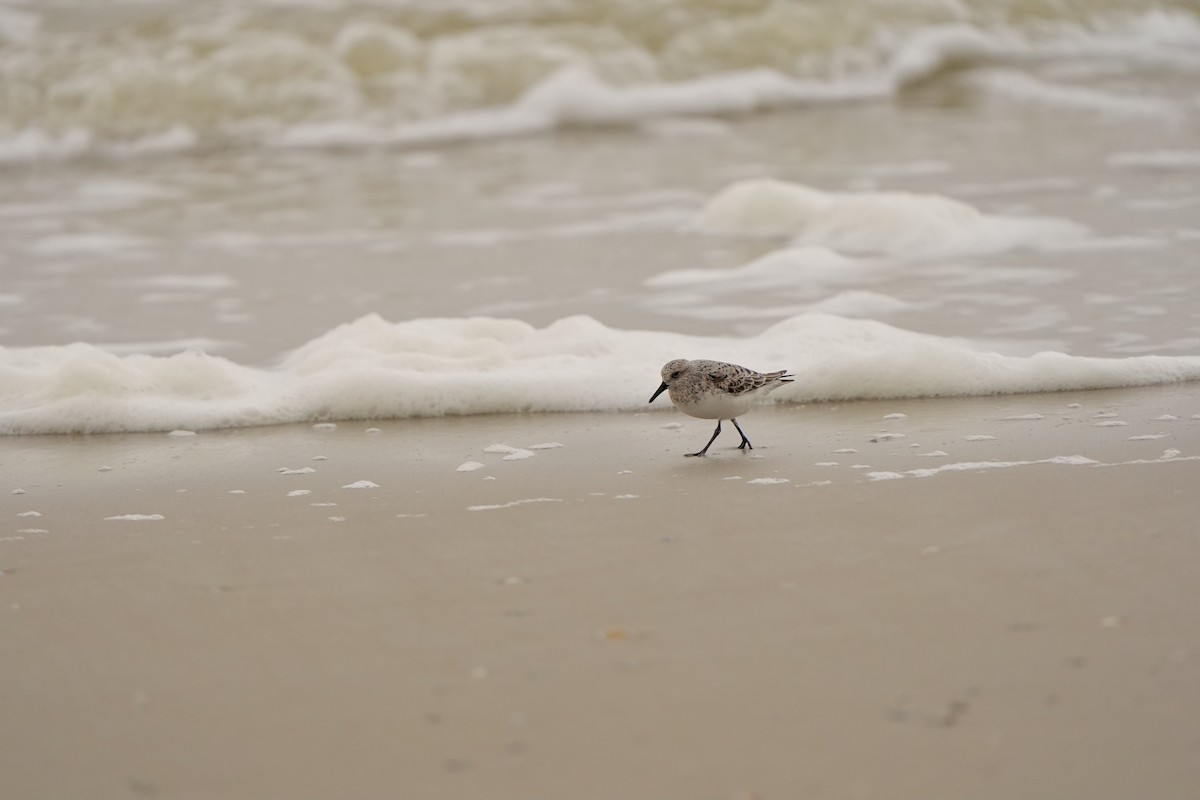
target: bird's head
<point>670,373</point>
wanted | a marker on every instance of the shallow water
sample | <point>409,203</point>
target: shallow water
<point>1055,166</point>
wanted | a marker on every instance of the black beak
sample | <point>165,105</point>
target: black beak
<point>661,389</point>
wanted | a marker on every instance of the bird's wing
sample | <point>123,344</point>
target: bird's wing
<point>742,380</point>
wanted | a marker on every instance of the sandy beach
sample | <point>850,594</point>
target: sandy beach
<point>327,331</point>
<point>607,618</point>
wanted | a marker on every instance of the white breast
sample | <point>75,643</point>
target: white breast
<point>715,405</point>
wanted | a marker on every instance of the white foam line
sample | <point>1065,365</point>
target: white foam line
<point>967,466</point>
<point>515,503</point>
<point>373,369</point>
<point>1170,454</point>
<point>1152,461</point>
<point>1167,457</point>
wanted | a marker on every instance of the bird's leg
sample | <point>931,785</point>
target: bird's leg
<point>716,433</point>
<point>745,442</point>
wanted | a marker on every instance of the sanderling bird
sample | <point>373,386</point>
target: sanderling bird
<point>716,390</point>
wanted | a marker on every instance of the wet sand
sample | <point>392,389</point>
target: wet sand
<point>648,626</point>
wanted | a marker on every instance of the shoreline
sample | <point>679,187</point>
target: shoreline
<point>609,618</point>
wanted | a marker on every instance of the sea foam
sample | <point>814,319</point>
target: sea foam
<point>374,369</point>
<point>191,76</point>
<point>889,223</point>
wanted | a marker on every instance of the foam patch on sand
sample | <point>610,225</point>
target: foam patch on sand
<point>974,466</point>
<point>374,369</point>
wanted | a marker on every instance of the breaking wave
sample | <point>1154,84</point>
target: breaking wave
<point>83,77</point>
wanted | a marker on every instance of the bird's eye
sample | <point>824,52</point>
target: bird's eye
<point>674,374</point>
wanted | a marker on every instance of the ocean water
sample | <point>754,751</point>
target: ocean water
<point>221,214</point>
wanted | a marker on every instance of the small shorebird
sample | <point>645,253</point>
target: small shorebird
<point>716,390</point>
